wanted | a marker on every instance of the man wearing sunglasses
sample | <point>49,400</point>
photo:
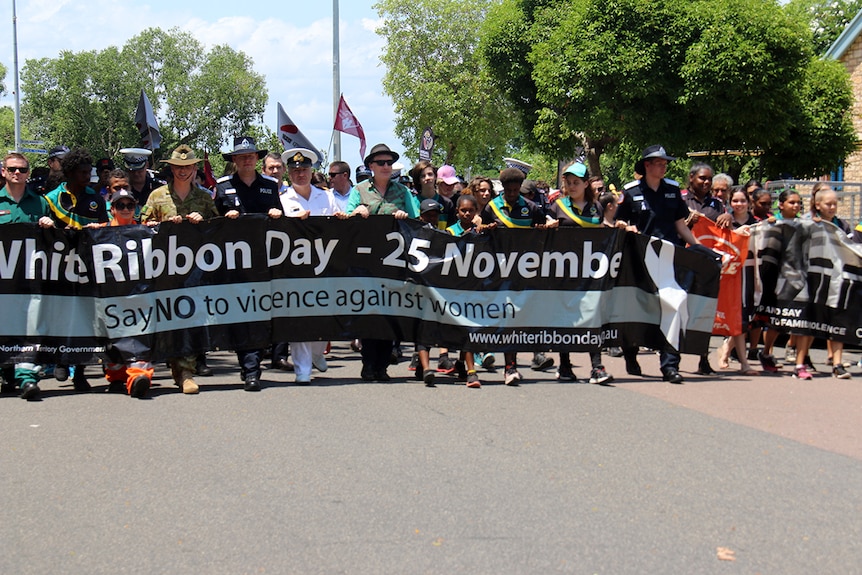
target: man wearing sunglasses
<point>19,204</point>
<point>380,195</point>
<point>339,182</point>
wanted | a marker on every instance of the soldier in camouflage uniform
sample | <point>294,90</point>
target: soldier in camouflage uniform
<point>180,200</point>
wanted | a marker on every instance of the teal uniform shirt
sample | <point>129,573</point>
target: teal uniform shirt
<point>29,209</point>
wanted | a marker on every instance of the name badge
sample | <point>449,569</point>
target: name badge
<point>230,191</point>
<point>637,198</point>
<point>669,196</point>
<point>266,191</point>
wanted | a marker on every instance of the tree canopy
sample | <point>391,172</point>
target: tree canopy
<point>826,18</point>
<point>692,75</point>
<point>89,98</point>
<point>436,78</point>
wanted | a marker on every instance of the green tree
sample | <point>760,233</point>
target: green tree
<point>436,78</point>
<point>826,18</point>
<point>89,98</point>
<point>620,75</point>
<point>2,79</point>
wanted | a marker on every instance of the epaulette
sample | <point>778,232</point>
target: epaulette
<point>223,179</point>
<point>631,184</point>
<point>672,182</point>
<point>270,178</point>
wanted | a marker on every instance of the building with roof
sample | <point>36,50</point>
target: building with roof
<point>847,49</point>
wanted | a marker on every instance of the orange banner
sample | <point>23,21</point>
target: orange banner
<point>733,248</point>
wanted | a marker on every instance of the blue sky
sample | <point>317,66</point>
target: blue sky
<point>290,43</point>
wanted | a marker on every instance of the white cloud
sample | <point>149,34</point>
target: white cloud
<point>294,55</point>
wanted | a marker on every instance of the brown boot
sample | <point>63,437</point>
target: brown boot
<point>185,380</point>
<point>188,383</point>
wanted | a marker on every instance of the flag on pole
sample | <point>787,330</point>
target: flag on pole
<point>145,120</point>
<point>209,177</point>
<point>347,123</point>
<point>289,134</point>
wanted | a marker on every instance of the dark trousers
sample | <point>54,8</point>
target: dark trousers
<point>667,359</point>
<point>376,354</point>
<point>249,362</point>
<point>595,358</point>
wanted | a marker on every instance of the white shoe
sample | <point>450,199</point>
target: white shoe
<point>319,363</point>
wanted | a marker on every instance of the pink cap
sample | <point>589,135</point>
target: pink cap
<point>447,174</point>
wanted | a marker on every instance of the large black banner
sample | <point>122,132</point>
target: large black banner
<point>227,284</point>
<point>806,277</point>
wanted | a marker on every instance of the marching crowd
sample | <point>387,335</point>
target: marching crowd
<point>77,193</point>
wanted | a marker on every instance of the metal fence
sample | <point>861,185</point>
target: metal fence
<point>849,196</point>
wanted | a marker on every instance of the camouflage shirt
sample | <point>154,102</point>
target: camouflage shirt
<point>164,203</point>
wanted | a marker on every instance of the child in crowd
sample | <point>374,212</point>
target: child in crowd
<point>466,210</point>
<point>135,375</point>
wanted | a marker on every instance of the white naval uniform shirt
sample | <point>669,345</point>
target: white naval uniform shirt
<point>319,203</point>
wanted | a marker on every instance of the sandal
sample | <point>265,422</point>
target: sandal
<point>749,372</point>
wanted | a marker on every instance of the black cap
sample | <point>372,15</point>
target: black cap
<point>430,205</point>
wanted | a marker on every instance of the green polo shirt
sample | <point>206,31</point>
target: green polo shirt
<point>29,209</point>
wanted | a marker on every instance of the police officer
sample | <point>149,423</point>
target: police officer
<point>141,183</point>
<point>247,192</point>
<point>655,206</point>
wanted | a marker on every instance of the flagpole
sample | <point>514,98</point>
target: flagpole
<point>336,80</point>
<point>17,90</point>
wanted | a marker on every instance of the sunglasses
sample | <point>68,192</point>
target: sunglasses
<point>22,169</point>
<point>383,162</point>
<point>124,206</point>
<point>333,174</point>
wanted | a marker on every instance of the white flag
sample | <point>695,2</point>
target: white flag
<point>289,134</point>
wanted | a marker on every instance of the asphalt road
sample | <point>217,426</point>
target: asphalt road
<point>730,475</point>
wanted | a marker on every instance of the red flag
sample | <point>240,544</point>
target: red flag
<point>209,178</point>
<point>346,122</point>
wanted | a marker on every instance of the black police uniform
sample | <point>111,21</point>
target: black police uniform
<point>655,213</point>
<point>258,198</point>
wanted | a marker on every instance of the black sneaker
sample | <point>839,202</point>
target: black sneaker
<point>382,376</point>
<point>512,376</point>
<point>703,367</point>
<point>61,372</point>
<point>839,372</point>
<point>79,380</point>
<point>445,365</point>
<point>541,362</point>
<point>30,392</point>
<point>767,362</point>
<point>428,378</point>
<point>140,387</point>
<point>565,373</point>
<point>599,376</point>
<point>414,362</point>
